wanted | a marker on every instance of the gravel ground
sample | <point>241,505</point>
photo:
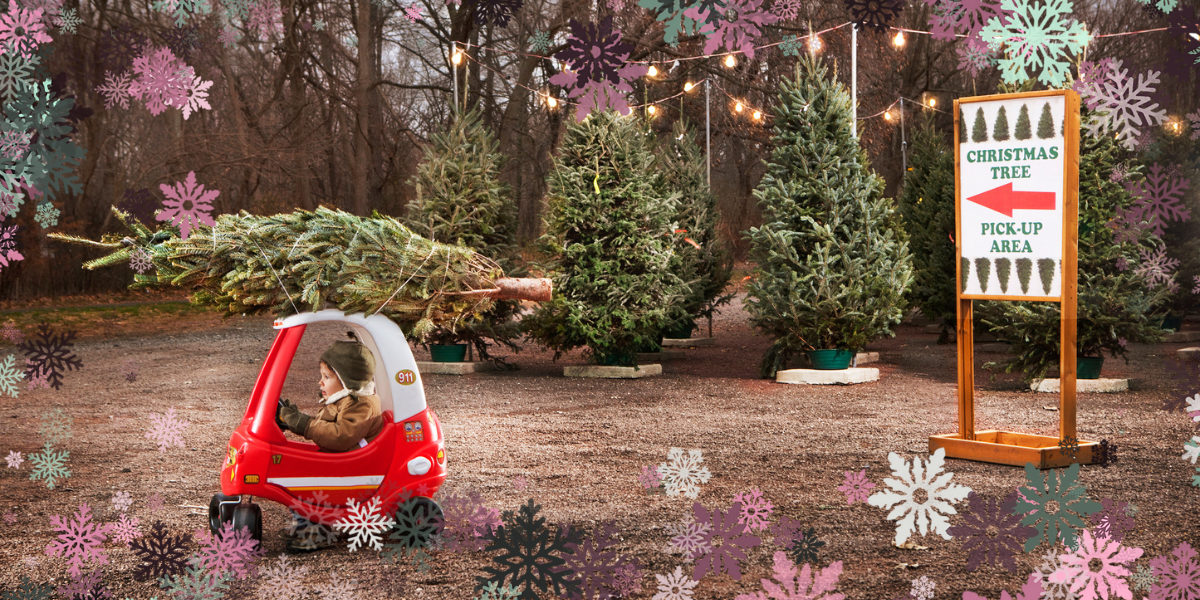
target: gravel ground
<point>580,444</point>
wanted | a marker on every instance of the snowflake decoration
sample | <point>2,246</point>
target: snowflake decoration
<point>628,580</point>
<point>738,30</point>
<point>166,429</point>
<point>790,46</point>
<point>413,12</point>
<point>231,553</point>
<point>519,482</point>
<point>162,80</point>
<point>594,562</point>
<point>688,537</point>
<point>265,18</point>
<point>756,510</point>
<point>121,501</point>
<point>1112,521</point>
<point>195,583</point>
<point>992,532</point>
<point>595,51</point>
<point>1119,173</point>
<point>1037,34</point>
<point>14,144</point>
<point>466,521</point>
<point>724,556</point>
<point>10,375</point>
<point>416,526</point>
<point>675,586</point>
<point>1122,106</point>
<point>140,204</point>
<point>311,530</point>
<point>8,246</point>
<point>531,554</point>
<point>649,478</point>
<point>118,49</point>
<point>365,525</point>
<point>805,547</point>
<point>160,554</point>
<point>38,375</point>
<point>8,205</point>
<point>1196,478</point>
<point>195,92</point>
<point>68,20</point>
<point>283,582</point>
<point>786,10</point>
<point>969,16</point>
<point>794,584</point>
<point>125,530</point>
<point>21,30</point>
<point>1069,446</point>
<point>1194,118</point>
<point>493,591</point>
<point>49,465</point>
<point>922,588</point>
<point>1191,449</point>
<point>541,42</point>
<point>154,502</point>
<point>940,494</point>
<point>55,426</point>
<point>1156,267</point>
<point>683,475</point>
<point>229,36</point>
<point>319,25</point>
<point>1143,579</point>
<point>10,518</point>
<point>1158,199</point>
<point>1054,505</point>
<point>47,215</point>
<point>1054,590</point>
<point>52,351</point>
<point>11,333</point>
<point>182,9</point>
<point>1108,577</point>
<point>85,587</point>
<point>786,531</point>
<point>496,12</point>
<point>139,260</point>
<point>14,459</point>
<point>974,56</point>
<point>876,14</point>
<point>1108,453</point>
<point>79,539</point>
<point>187,205</point>
<point>856,486</point>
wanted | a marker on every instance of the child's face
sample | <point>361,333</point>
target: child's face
<point>330,384</point>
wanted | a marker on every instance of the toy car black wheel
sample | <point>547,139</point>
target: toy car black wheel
<point>250,517</point>
<point>419,521</point>
<point>220,511</point>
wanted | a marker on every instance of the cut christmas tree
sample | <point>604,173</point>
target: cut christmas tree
<point>927,206</point>
<point>831,264</point>
<point>610,243</point>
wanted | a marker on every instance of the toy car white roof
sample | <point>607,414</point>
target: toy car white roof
<point>397,380</point>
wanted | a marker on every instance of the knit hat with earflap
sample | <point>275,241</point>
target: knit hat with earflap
<point>354,365</point>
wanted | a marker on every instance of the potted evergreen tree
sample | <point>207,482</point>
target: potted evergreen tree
<point>460,199</point>
<point>609,242</point>
<point>832,264</point>
<point>1114,304</point>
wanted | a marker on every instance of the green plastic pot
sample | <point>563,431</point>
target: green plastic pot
<point>1088,367</point>
<point>830,360</point>
<point>448,352</point>
<point>681,331</point>
<point>615,359</point>
<point>1172,322</point>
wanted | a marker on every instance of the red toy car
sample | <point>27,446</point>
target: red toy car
<point>406,459</point>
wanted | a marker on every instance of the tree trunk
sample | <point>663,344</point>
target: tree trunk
<point>362,115</point>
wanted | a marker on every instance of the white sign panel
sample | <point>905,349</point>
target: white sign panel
<point>1011,166</point>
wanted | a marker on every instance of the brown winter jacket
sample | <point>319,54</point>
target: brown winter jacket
<point>339,426</point>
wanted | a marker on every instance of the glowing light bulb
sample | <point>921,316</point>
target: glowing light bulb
<point>887,116</point>
<point>653,72</point>
<point>932,102</point>
<point>730,61</point>
<point>457,58</point>
<point>814,44</point>
<point>552,101</point>
<point>687,87</point>
<point>652,109</point>
<point>738,107</point>
<point>899,39</point>
<point>757,115</point>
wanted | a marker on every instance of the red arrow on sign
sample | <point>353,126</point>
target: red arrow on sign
<point>1004,200</point>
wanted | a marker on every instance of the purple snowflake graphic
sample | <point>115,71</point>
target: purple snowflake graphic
<point>161,80</point>
<point>628,580</point>
<point>1112,522</point>
<point>141,204</point>
<point>11,333</point>
<point>466,522</point>
<point>117,89</point>
<point>14,145</point>
<point>8,246</point>
<point>756,510</point>
<point>183,41</point>
<point>787,531</point>
<point>876,14</point>
<point>166,429</point>
<point>974,56</point>
<point>187,205</point>
<point>856,486</point>
<point>79,539</point>
<point>734,541</point>
<point>1158,199</point>
<point>496,12</point>
<point>1178,579</point>
<point>21,30</point>
<point>599,75</point>
<point>786,10</point>
<point>231,553</point>
<point>125,530</point>
<point>120,46</point>
<point>52,352</point>
<point>735,33</point>
<point>993,533</point>
<point>950,17</point>
<point>85,587</point>
<point>595,562</point>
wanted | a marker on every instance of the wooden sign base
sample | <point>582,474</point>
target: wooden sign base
<point>1008,448</point>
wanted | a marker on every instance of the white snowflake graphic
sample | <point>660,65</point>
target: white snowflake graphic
<point>281,581</point>
<point>10,375</point>
<point>196,94</point>
<point>125,530</point>
<point>1122,106</point>
<point>1191,449</point>
<point>756,510</point>
<point>1193,407</point>
<point>14,459</point>
<point>47,215</point>
<point>682,475</point>
<point>166,429</point>
<point>68,20</point>
<point>139,260</point>
<point>187,205</point>
<point>1156,267</point>
<point>939,495</point>
<point>689,537</point>
<point>1104,577</point>
<point>121,501</point>
<point>336,589</point>
<point>922,588</point>
<point>675,586</point>
<point>1039,35</point>
<point>117,89</point>
<point>1044,574</point>
<point>364,525</point>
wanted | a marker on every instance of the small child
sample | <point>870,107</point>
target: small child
<point>350,414</point>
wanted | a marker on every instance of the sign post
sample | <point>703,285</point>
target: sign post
<point>1016,180</point>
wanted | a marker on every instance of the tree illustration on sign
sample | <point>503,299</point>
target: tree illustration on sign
<point>1045,128</point>
<point>979,128</point>
<point>1000,131</point>
<point>1024,129</point>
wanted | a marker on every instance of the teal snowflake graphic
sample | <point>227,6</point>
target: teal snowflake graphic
<point>672,11</point>
<point>197,582</point>
<point>791,45</point>
<point>10,375</point>
<point>49,465</point>
<point>50,164</point>
<point>1039,37</point>
<point>47,215</point>
<point>1196,478</point>
<point>493,591</point>
<point>319,25</point>
<point>1144,579</point>
<point>182,9</point>
<point>1056,505</point>
<point>541,42</point>
<point>56,426</point>
<point>16,73</point>
<point>69,20</point>
<point>1163,5</point>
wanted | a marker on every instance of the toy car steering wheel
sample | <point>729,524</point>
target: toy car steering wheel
<point>278,421</point>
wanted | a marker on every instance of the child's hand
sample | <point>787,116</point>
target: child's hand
<point>279,407</point>
<point>295,420</point>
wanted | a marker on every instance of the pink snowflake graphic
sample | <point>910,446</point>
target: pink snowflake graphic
<point>21,30</point>
<point>649,477</point>
<point>79,540</point>
<point>154,502</point>
<point>856,486</point>
<point>1095,569</point>
<point>161,80</point>
<point>166,429</point>
<point>519,483</point>
<point>786,10</point>
<point>1157,267</point>
<point>974,56</point>
<point>8,246</point>
<point>1178,579</point>
<point>265,18</point>
<point>1112,522</point>
<point>125,530</point>
<point>794,583</point>
<point>413,12</point>
<point>10,518</point>
<point>39,375</point>
<point>117,89</point>
<point>726,555</point>
<point>14,144</point>
<point>231,553</point>
<point>228,36</point>
<point>963,16</point>
<point>756,510</point>
<point>187,205</point>
<point>196,94</point>
<point>12,334</point>
<point>1159,198</point>
<point>466,521</point>
<point>688,537</point>
<point>14,459</point>
<point>739,34</point>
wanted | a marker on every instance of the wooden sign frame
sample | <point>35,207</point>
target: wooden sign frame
<point>1005,447</point>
